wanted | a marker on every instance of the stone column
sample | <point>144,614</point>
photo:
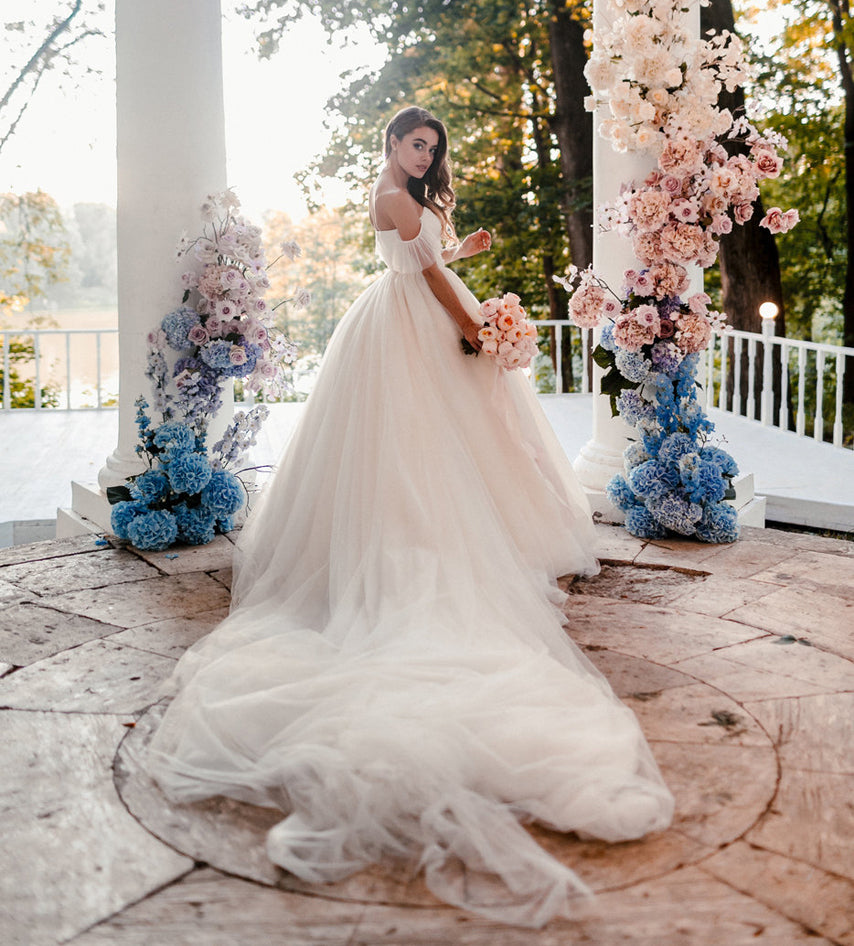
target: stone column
<point>602,456</point>
<point>171,154</point>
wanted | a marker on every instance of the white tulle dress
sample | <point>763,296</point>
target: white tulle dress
<point>395,673</point>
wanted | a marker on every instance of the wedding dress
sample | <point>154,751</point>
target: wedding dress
<point>394,673</point>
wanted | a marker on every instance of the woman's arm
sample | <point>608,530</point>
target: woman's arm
<point>443,291</point>
<point>473,244</point>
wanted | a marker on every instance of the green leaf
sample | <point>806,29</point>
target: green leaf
<point>603,357</point>
<point>118,494</point>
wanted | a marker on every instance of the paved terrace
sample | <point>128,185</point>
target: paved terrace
<point>737,660</point>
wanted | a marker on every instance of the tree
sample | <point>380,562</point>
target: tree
<point>487,70</point>
<point>34,248</point>
<point>27,61</point>
<point>327,267</point>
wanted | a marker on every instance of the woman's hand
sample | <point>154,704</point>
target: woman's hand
<point>470,334</point>
<point>475,243</point>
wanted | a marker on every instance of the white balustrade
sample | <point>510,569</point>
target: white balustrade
<point>54,357</point>
<point>802,367</point>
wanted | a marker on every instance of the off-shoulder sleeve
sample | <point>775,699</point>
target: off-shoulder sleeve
<point>411,256</point>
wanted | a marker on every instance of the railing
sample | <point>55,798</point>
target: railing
<point>566,341</point>
<point>43,369</point>
<point>795,388</point>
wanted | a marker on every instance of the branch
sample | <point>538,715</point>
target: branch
<point>40,53</point>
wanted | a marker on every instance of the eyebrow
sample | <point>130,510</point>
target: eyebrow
<point>424,142</point>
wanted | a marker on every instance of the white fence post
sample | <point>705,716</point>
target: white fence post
<point>767,404</point>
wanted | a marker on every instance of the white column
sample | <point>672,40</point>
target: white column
<point>171,154</point>
<point>602,456</point>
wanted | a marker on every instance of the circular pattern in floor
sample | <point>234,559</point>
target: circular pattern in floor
<point>719,763</point>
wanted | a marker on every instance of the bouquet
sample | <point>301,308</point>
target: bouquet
<point>189,493</point>
<point>507,334</point>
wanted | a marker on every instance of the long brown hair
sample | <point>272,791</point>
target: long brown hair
<point>434,190</point>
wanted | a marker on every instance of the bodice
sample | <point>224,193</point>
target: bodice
<point>415,255</point>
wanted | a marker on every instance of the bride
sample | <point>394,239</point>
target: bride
<point>395,674</point>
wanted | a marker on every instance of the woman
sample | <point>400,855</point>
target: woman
<point>394,672</point>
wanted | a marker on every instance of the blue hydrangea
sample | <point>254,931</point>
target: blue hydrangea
<point>641,523</point>
<point>153,531</point>
<point>253,352</point>
<point>174,437</point>
<point>634,454</point>
<point>632,365</point>
<point>122,514</point>
<point>719,523</point>
<point>620,493</point>
<point>666,356</point>
<point>653,479</point>
<point>150,486</point>
<point>226,524</point>
<point>606,338</point>
<point>675,447</point>
<point>676,513</point>
<point>189,473</point>
<point>633,407</point>
<point>724,462</point>
<point>177,326</point>
<point>195,525</point>
<point>224,494</point>
<point>217,355</point>
<point>702,479</point>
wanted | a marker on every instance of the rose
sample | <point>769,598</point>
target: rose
<point>779,222</point>
<point>506,321</point>
<point>721,224</point>
<point>768,163</point>
<point>487,333</point>
<point>198,334</point>
<point>237,355</point>
<point>742,212</point>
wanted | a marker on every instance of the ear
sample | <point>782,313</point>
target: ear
<point>395,141</point>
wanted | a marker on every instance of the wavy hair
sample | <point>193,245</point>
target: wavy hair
<point>434,190</point>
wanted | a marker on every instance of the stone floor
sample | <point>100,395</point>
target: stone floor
<point>738,660</point>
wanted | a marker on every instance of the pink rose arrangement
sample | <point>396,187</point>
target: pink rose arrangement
<point>507,334</point>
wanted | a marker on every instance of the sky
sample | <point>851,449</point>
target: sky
<point>65,143</point>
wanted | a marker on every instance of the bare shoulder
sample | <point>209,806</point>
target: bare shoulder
<point>396,209</point>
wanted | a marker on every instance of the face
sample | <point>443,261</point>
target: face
<point>416,151</point>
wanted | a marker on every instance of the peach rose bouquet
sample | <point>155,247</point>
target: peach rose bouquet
<point>507,335</point>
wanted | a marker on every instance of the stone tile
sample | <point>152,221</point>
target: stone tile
<point>631,676</point>
<point>11,594</point>
<point>794,659</point>
<point>172,637</point>
<point>55,576</point>
<point>745,683</point>
<point>53,548</point>
<point>97,677</point>
<point>71,853</point>
<point>741,559</point>
<point>816,571</point>
<point>812,820</point>
<point>801,892</point>
<point>661,635</point>
<point>825,620</point>
<point>718,595</point>
<point>677,553</point>
<point>721,791</point>
<point>807,541</point>
<point>181,559</point>
<point>143,602</point>
<point>30,632</point>
<point>685,908</point>
<point>207,908</point>
<point>223,576</point>
<point>696,714</point>
<point>812,733</point>
<point>614,544</point>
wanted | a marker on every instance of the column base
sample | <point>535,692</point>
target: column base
<point>89,512</point>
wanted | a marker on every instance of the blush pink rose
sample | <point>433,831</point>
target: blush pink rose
<point>237,355</point>
<point>198,334</point>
